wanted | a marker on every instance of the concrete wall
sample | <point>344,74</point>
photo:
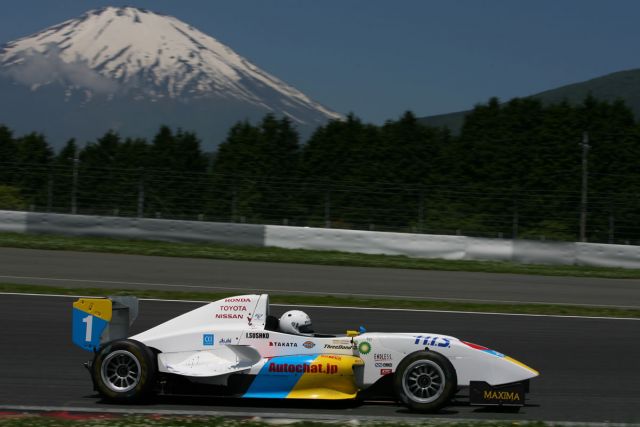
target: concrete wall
<point>370,242</point>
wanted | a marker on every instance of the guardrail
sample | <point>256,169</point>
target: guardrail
<point>370,242</point>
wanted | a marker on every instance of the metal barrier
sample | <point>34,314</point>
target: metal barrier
<point>370,242</point>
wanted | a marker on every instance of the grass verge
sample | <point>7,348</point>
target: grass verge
<point>300,256</point>
<point>329,300</point>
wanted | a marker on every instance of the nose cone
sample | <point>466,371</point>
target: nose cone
<point>522,365</point>
<point>503,369</point>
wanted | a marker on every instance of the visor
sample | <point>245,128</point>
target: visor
<point>306,329</point>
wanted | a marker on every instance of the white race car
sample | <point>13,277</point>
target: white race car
<point>233,347</point>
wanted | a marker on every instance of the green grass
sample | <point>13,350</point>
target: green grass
<point>300,256</point>
<point>329,300</point>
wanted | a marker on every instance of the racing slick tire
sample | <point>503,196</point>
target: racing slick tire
<point>425,381</point>
<point>124,371</point>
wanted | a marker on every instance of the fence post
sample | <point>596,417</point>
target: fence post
<point>585,186</point>
<point>327,209</point>
<point>141,193</point>
<point>421,213</point>
<point>612,223</point>
<point>50,191</point>
<point>514,232</point>
<point>74,184</point>
<point>234,203</point>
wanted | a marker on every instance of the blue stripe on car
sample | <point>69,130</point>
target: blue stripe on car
<point>269,384</point>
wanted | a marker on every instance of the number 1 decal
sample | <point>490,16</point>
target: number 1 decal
<point>89,321</point>
<point>90,318</point>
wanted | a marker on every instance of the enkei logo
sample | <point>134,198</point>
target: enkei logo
<point>434,341</point>
<point>303,368</point>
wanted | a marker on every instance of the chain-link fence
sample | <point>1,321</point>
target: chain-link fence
<point>379,206</point>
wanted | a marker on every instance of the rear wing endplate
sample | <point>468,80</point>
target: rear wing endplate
<point>99,320</point>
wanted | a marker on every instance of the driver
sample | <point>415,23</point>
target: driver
<point>296,322</point>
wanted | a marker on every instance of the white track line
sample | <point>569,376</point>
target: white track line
<point>325,293</point>
<point>338,307</point>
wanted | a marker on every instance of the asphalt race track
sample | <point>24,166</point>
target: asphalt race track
<point>78,269</point>
<point>589,367</point>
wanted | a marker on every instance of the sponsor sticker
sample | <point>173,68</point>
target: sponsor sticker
<point>481,393</point>
<point>339,346</point>
<point>229,316</point>
<point>303,368</point>
<point>432,341</point>
<point>382,356</point>
<point>383,365</point>
<point>386,371</point>
<point>282,344</point>
<point>233,308</point>
<point>331,356</point>
<point>308,344</point>
<point>364,347</point>
<point>237,300</point>
<point>207,339</point>
<point>224,341</point>
<point>257,335</point>
<point>255,316</point>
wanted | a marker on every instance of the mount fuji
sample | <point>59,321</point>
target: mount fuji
<point>132,70</point>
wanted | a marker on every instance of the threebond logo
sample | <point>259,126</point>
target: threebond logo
<point>303,368</point>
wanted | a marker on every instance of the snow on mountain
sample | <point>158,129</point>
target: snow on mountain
<point>150,57</point>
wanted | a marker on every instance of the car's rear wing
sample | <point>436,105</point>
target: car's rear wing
<point>99,320</point>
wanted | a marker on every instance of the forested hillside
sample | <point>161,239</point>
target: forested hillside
<point>621,85</point>
<point>515,170</point>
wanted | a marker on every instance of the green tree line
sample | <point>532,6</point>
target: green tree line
<point>515,170</point>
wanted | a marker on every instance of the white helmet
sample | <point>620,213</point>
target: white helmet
<point>296,322</point>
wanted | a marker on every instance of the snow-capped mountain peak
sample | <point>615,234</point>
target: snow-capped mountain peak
<point>152,55</point>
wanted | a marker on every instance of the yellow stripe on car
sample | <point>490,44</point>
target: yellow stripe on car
<point>333,380</point>
<point>512,360</point>
<point>99,307</point>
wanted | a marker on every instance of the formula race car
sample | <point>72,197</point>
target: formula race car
<point>233,347</point>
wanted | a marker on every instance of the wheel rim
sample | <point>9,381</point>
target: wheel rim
<point>120,371</point>
<point>423,381</point>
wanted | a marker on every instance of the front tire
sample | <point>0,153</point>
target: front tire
<point>124,371</point>
<point>425,381</point>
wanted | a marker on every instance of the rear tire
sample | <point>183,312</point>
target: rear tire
<point>124,371</point>
<point>425,381</point>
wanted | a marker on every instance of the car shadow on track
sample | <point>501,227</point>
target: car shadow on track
<point>216,403</point>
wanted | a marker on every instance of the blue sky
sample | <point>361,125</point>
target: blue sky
<point>378,58</point>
